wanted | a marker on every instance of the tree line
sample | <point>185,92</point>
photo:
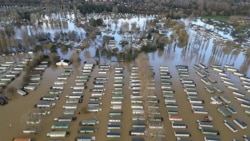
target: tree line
<point>99,8</point>
<point>173,8</point>
<point>194,7</point>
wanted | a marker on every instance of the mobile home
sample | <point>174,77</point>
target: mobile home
<point>29,87</point>
<point>65,118</point>
<point>85,138</point>
<point>178,124</point>
<point>41,112</point>
<point>89,122</point>
<point>182,133</point>
<point>59,87</point>
<point>115,119</point>
<point>212,138</point>
<point>55,91</point>
<point>175,117</point>
<point>230,126</point>
<point>113,134</point>
<point>34,121</point>
<point>137,131</point>
<point>78,87</point>
<point>60,125</point>
<point>69,112</point>
<point>94,109</point>
<point>30,130</point>
<point>22,92</point>
<point>70,106</point>
<point>74,100</point>
<point>113,126</point>
<point>209,131</point>
<point>240,123</point>
<point>75,96</point>
<point>60,82</point>
<point>49,97</point>
<point>87,129</point>
<point>205,123</point>
<point>57,134</point>
<point>44,104</point>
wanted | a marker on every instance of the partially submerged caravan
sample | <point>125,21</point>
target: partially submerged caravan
<point>44,105</point>
<point>57,134</point>
<point>22,92</point>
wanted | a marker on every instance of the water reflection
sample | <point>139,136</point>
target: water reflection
<point>208,54</point>
<point>200,48</point>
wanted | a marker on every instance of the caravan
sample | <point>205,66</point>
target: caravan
<point>22,92</point>
<point>49,97</point>
<point>44,105</point>
<point>60,125</point>
<point>87,129</point>
<point>89,122</point>
<point>57,134</point>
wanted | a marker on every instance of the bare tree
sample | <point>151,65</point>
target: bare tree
<point>14,15</point>
<point>115,9</point>
<point>86,54</point>
<point>75,59</point>
<point>3,42</point>
<point>26,77</point>
<point>64,24</point>
<point>10,91</point>
<point>201,5</point>
<point>92,35</point>
<point>33,18</point>
<point>64,49</point>
<point>53,58</point>
<point>57,36</point>
<point>75,12</point>
<point>133,26</point>
<point>145,76</point>
<point>85,43</point>
<point>124,27</point>
<point>163,39</point>
<point>25,39</point>
<point>183,38</point>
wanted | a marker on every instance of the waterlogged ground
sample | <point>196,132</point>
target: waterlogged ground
<point>202,47</point>
<point>17,111</point>
<point>199,50</point>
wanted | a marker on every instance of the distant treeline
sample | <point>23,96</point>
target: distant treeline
<point>99,8</point>
<point>172,8</point>
<point>20,2</point>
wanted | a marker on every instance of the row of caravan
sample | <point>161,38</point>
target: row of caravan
<point>141,104</point>
<point>87,127</point>
<point>116,113</point>
<point>61,127</point>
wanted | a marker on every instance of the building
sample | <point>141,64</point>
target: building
<point>63,62</point>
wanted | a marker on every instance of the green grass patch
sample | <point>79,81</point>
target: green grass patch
<point>247,26</point>
<point>219,18</point>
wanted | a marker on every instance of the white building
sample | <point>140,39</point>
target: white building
<point>63,62</point>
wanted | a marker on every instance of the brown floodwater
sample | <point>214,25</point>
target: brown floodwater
<point>17,111</point>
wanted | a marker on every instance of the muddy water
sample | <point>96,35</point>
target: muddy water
<point>17,111</point>
<point>184,106</point>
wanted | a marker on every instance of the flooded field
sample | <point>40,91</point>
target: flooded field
<point>212,72</point>
<point>15,114</point>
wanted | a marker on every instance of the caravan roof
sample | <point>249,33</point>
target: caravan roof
<point>22,139</point>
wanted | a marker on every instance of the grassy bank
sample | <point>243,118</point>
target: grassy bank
<point>219,18</point>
